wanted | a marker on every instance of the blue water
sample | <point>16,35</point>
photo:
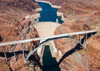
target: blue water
<point>49,62</point>
<point>48,13</point>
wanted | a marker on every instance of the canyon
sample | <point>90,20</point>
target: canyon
<point>77,15</point>
<point>13,23</point>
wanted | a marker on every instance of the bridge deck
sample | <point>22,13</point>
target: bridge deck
<point>45,38</point>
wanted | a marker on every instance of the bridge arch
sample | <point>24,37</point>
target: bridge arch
<point>47,40</point>
<point>81,42</point>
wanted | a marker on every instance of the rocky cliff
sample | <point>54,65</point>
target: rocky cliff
<point>78,60</point>
<point>73,9</point>
<point>12,25</point>
<point>12,13</point>
<point>55,2</point>
<point>80,16</point>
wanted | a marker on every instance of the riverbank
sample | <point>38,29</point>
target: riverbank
<point>54,6</point>
<point>62,16</point>
<point>48,13</point>
<point>33,16</point>
<point>38,9</point>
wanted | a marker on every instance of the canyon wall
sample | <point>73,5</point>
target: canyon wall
<point>80,16</point>
<point>12,13</point>
<point>55,2</point>
<point>13,24</point>
<point>73,58</point>
<point>76,9</point>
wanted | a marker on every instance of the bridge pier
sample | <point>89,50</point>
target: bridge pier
<point>80,38</point>
<point>39,50</point>
<point>85,39</point>
<point>44,41</point>
<point>15,55</point>
<point>5,54</point>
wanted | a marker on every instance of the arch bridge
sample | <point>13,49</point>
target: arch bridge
<point>81,39</point>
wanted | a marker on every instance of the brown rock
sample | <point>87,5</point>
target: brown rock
<point>57,2</point>
<point>12,13</point>
<point>3,65</point>
<point>20,65</point>
<point>26,23</point>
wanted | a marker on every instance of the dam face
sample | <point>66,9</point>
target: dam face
<point>46,29</point>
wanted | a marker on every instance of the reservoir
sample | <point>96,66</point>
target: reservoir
<point>48,13</point>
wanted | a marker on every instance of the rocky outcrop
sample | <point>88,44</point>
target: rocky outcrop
<point>12,13</point>
<point>55,2</point>
<point>20,65</point>
<point>3,65</point>
<point>13,22</point>
<point>83,60</point>
<point>76,9</point>
<point>80,16</point>
<point>26,5</point>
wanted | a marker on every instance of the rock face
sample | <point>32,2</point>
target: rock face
<point>12,13</point>
<point>80,16</point>
<point>13,22</point>
<point>56,2</point>
<point>3,65</point>
<point>20,65</point>
<point>76,9</point>
<point>83,60</point>
<point>26,5</point>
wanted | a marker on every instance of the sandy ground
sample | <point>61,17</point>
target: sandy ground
<point>46,28</point>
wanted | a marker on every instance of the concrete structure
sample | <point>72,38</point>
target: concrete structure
<point>46,39</point>
<point>46,29</point>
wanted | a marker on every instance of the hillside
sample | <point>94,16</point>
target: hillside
<point>13,22</point>
<point>56,2</point>
<point>12,13</point>
<point>80,16</point>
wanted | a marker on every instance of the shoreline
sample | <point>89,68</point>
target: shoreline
<point>33,16</point>
<point>61,15</point>
<point>54,6</point>
<point>38,9</point>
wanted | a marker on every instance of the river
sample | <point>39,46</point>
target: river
<point>48,13</point>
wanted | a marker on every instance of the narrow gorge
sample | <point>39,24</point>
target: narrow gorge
<point>29,19</point>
